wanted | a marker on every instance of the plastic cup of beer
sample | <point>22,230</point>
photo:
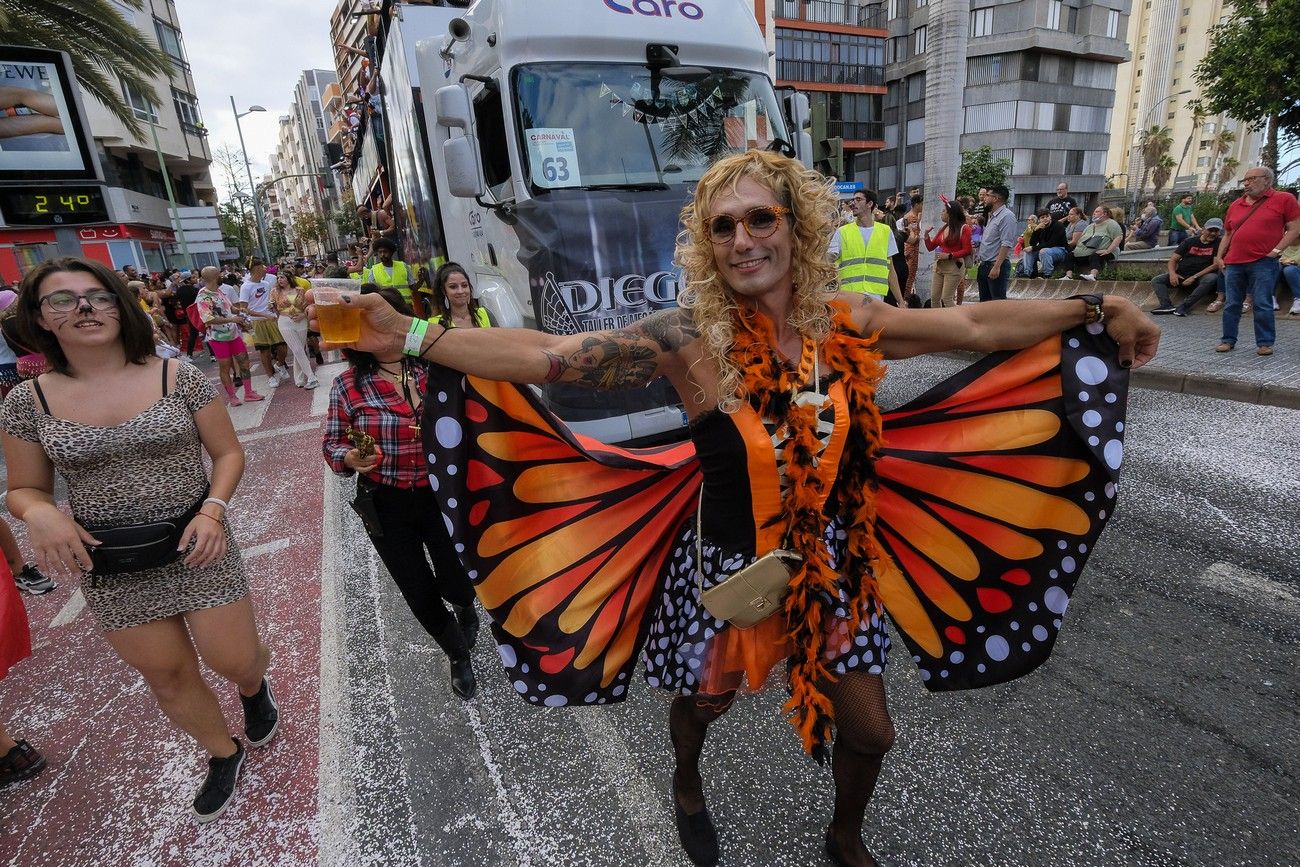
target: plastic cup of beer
<point>339,323</point>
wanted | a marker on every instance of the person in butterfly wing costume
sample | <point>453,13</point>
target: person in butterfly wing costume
<point>585,554</point>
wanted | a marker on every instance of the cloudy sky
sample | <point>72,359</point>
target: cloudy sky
<point>255,51</point>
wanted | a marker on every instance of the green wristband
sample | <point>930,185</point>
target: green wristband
<point>415,337</point>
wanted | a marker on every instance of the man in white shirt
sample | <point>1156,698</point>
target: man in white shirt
<point>255,300</point>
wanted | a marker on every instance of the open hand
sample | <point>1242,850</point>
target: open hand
<point>208,536</point>
<point>59,543</point>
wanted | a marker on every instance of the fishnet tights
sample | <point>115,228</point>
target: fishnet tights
<point>864,732</point>
<point>688,724</point>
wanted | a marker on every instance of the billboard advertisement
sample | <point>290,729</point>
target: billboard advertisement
<point>43,132</point>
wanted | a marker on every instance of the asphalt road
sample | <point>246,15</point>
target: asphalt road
<point>1161,733</point>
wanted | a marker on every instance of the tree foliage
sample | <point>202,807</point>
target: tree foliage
<point>1252,70</point>
<point>979,168</point>
<point>277,239</point>
<point>104,47</point>
<point>311,227</point>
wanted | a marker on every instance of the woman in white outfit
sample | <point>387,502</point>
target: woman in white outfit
<point>290,301</point>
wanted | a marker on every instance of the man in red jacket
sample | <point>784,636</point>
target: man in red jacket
<point>1261,224</point>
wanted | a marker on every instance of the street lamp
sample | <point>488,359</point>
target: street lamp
<point>257,211</point>
<point>1137,157</point>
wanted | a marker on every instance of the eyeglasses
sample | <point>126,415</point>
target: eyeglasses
<point>1253,177</point>
<point>66,302</point>
<point>759,223</point>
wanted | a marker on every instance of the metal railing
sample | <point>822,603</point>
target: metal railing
<point>856,130</point>
<point>831,12</point>
<point>829,73</point>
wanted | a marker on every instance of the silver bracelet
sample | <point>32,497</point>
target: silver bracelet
<point>225,507</point>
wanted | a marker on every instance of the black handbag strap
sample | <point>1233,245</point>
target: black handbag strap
<point>165,362</point>
<point>40,395</point>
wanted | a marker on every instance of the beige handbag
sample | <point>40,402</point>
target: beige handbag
<point>756,592</point>
<point>751,595</point>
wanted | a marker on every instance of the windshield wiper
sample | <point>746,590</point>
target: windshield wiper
<point>636,187</point>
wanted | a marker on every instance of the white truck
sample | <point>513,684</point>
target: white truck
<point>548,146</point>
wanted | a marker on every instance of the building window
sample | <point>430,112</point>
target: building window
<point>1182,46</point>
<point>1112,24</point>
<point>981,22</point>
<point>169,38</point>
<point>839,58</point>
<point>1203,161</point>
<point>896,50</point>
<point>140,106</point>
<point>893,9</point>
<point>1054,14</point>
<point>918,40</point>
<point>921,3</point>
<point>187,109</point>
<point>1182,29</point>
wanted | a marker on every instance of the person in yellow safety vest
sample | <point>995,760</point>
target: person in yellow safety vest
<point>455,293</point>
<point>863,248</point>
<point>395,273</point>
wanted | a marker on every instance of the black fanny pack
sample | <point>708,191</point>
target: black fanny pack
<point>136,547</point>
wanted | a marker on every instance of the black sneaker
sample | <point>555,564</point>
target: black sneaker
<point>19,763</point>
<point>1180,312</point>
<point>1164,311</point>
<point>261,715</point>
<point>218,790</point>
<point>30,580</point>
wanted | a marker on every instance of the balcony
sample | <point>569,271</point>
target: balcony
<point>829,73</point>
<point>844,12</point>
<point>856,130</point>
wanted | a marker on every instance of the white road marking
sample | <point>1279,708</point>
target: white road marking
<point>265,548</point>
<point>326,374</point>
<point>70,609</point>
<point>656,833</point>
<point>336,792</point>
<point>509,820</point>
<point>287,430</point>
<point>1252,587</point>
<point>250,415</point>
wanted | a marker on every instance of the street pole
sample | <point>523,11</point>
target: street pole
<point>171,197</point>
<point>257,211</point>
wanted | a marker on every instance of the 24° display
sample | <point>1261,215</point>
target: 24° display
<point>52,206</point>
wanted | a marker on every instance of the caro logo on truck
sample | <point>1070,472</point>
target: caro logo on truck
<point>657,8</point>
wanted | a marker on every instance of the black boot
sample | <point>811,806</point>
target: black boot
<point>467,617</point>
<point>452,642</point>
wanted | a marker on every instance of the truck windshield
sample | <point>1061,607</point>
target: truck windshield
<point>626,126</point>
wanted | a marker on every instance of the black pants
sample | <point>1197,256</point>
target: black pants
<point>412,524</point>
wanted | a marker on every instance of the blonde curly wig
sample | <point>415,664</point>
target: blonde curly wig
<point>814,216</point>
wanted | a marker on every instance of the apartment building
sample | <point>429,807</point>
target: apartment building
<point>1169,39</point>
<point>833,51</point>
<point>306,182</point>
<point>139,228</point>
<point>1039,88</point>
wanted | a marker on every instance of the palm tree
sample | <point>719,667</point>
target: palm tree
<point>1227,170</point>
<point>1223,142</point>
<point>1155,143</point>
<point>1198,120</point>
<point>104,47</point>
<point>1163,171</point>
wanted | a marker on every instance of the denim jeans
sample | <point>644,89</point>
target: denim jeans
<point>1177,236</point>
<point>1257,280</point>
<point>1049,258</point>
<point>996,290</point>
<point>1028,262</point>
<point>1291,274</point>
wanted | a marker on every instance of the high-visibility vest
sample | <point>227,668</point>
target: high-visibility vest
<point>480,319</point>
<point>398,276</point>
<point>864,265</point>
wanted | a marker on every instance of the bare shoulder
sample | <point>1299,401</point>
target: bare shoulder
<point>669,329</point>
<point>863,309</point>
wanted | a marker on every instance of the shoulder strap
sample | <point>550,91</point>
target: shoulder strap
<point>1246,219</point>
<point>40,395</point>
<point>165,362</point>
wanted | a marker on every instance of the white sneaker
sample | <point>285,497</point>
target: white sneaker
<point>283,371</point>
<point>1295,309</point>
<point>1091,278</point>
<point>311,383</point>
<point>273,381</point>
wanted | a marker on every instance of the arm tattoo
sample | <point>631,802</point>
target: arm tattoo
<point>670,329</point>
<point>558,365</point>
<point>611,361</point>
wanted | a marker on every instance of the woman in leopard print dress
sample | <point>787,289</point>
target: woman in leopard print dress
<point>127,430</point>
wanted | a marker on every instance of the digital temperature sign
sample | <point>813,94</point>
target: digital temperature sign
<point>53,205</point>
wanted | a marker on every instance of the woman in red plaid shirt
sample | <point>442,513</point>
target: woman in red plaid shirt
<point>381,398</point>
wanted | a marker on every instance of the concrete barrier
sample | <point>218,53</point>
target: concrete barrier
<point>1137,291</point>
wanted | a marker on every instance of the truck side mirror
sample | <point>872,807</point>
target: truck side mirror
<point>800,116</point>
<point>460,153</point>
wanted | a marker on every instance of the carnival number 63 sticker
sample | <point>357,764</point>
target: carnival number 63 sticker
<point>553,153</point>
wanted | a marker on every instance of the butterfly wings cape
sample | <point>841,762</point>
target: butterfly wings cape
<point>993,489</point>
